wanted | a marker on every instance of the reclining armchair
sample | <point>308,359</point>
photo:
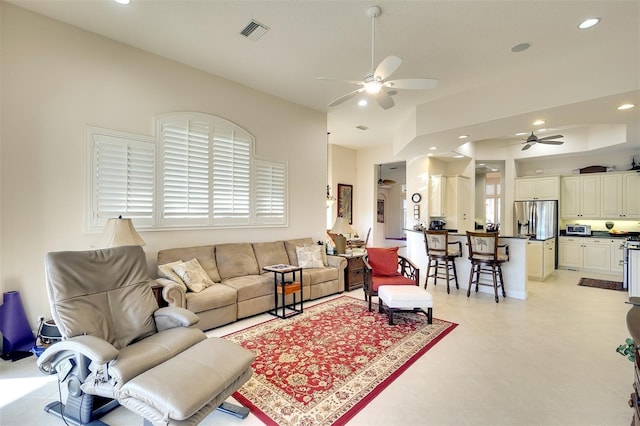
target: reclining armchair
<point>118,348</point>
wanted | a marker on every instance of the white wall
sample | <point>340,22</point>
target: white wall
<point>56,79</point>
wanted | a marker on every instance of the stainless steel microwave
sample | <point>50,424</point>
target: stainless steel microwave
<point>576,229</point>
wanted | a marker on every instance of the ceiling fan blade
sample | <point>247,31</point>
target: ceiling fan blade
<point>384,100</point>
<point>550,142</point>
<point>413,83</point>
<point>526,147</point>
<point>346,97</point>
<point>361,83</point>
<point>546,138</point>
<point>388,66</point>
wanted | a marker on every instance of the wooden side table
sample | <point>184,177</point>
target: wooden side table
<point>354,272</point>
<point>284,284</point>
<point>157,293</point>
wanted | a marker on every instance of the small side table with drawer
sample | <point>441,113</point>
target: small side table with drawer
<point>354,272</point>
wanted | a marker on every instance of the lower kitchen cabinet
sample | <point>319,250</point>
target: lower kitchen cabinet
<point>541,258</point>
<point>588,254</point>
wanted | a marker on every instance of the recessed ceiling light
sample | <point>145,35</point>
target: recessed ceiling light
<point>463,136</point>
<point>430,154</point>
<point>123,1</point>
<point>538,122</point>
<point>626,106</point>
<point>542,130</point>
<point>522,133</point>
<point>433,148</point>
<point>588,23</point>
<point>520,47</point>
<point>480,164</point>
<point>362,102</point>
<point>458,156</point>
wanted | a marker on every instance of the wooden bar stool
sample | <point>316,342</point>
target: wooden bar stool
<point>441,257</point>
<point>485,259</point>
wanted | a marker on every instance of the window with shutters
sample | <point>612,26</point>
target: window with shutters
<point>205,176</point>
<point>122,177</point>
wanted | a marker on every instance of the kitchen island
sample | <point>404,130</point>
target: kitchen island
<point>514,271</point>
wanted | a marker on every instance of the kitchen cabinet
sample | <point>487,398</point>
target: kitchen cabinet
<point>541,258</point>
<point>437,196</point>
<point>620,195</point>
<point>458,204</point>
<point>617,255</point>
<point>538,188</point>
<point>581,196</point>
<point>588,254</point>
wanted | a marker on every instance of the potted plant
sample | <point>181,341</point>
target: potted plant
<point>627,349</point>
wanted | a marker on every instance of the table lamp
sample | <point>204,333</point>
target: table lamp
<point>118,232</point>
<point>339,228</point>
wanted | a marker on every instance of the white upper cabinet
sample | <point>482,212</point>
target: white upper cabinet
<point>601,196</point>
<point>581,196</point>
<point>538,188</point>
<point>437,196</point>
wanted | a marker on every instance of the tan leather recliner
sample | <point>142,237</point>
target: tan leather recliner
<point>119,348</point>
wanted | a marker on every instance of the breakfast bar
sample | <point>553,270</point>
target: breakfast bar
<point>514,271</point>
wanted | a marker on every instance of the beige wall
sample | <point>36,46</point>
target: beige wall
<point>56,79</point>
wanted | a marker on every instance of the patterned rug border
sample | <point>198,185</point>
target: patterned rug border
<point>598,283</point>
<point>366,399</point>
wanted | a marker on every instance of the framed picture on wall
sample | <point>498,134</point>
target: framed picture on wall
<point>380,211</point>
<point>345,202</point>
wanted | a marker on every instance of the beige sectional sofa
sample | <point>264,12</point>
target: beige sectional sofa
<point>241,288</point>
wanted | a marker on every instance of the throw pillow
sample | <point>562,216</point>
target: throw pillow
<point>166,271</point>
<point>383,261</point>
<point>310,256</point>
<point>193,275</point>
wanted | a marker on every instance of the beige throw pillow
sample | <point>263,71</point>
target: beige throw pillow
<point>310,256</point>
<point>193,275</point>
<point>166,271</point>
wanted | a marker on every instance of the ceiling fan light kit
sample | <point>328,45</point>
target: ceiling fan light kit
<point>375,81</point>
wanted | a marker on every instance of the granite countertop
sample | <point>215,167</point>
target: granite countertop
<point>601,234</point>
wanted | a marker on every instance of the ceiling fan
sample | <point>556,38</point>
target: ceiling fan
<point>376,81</point>
<point>384,181</point>
<point>533,139</point>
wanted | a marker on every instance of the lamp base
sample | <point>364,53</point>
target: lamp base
<point>341,244</point>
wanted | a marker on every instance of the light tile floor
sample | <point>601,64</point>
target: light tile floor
<point>549,360</point>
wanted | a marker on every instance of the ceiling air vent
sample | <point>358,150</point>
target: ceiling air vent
<point>254,30</point>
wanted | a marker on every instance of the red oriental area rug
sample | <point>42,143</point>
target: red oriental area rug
<point>325,365</point>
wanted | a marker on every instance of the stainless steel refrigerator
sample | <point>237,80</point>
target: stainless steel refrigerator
<point>537,219</point>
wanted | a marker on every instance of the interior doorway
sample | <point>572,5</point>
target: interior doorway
<point>390,183</point>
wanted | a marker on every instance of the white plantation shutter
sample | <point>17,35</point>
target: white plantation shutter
<point>206,176</point>
<point>231,177</point>
<point>185,172</point>
<point>122,178</point>
<point>270,192</point>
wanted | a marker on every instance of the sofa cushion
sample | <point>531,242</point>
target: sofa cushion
<point>252,286</point>
<point>205,255</point>
<point>291,245</point>
<point>195,278</point>
<point>319,275</point>
<point>272,253</point>
<point>166,271</point>
<point>213,297</point>
<point>310,256</point>
<point>236,260</point>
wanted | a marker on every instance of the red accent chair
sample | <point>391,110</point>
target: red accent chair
<point>383,266</point>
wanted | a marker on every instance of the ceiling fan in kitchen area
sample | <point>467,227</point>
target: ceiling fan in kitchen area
<point>384,182</point>
<point>548,140</point>
<point>376,82</point>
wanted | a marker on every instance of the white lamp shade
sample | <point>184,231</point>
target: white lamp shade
<point>119,232</point>
<point>342,226</point>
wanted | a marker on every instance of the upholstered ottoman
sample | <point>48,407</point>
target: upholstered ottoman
<point>405,298</point>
